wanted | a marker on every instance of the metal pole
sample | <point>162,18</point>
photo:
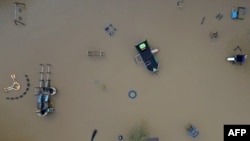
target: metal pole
<point>41,76</point>
<point>42,70</point>
<point>15,17</point>
<point>48,71</point>
<point>48,75</point>
<point>18,3</point>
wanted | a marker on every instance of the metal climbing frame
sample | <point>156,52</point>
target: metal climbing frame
<point>18,8</point>
<point>44,87</point>
<point>39,90</point>
<point>44,92</point>
<point>47,83</point>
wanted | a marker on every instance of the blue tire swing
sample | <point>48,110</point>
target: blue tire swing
<point>132,94</point>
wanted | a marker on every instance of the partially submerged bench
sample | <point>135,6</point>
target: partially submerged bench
<point>95,53</point>
<point>18,9</point>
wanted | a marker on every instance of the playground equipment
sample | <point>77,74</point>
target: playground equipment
<point>18,9</point>
<point>110,29</point>
<point>238,13</point>
<point>237,59</point>
<point>95,53</point>
<point>203,20</point>
<point>138,58</point>
<point>192,131</point>
<point>120,137</point>
<point>132,94</point>
<point>219,16</point>
<point>24,93</point>
<point>179,3</point>
<point>15,86</point>
<point>147,56</point>
<point>93,134</point>
<point>43,93</point>
<point>213,36</point>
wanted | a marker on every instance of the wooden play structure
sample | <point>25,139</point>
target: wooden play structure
<point>95,53</point>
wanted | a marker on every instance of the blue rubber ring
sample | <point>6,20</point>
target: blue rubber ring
<point>132,94</point>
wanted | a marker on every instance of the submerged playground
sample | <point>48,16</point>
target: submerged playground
<point>123,71</point>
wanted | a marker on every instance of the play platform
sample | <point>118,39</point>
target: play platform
<point>146,55</point>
